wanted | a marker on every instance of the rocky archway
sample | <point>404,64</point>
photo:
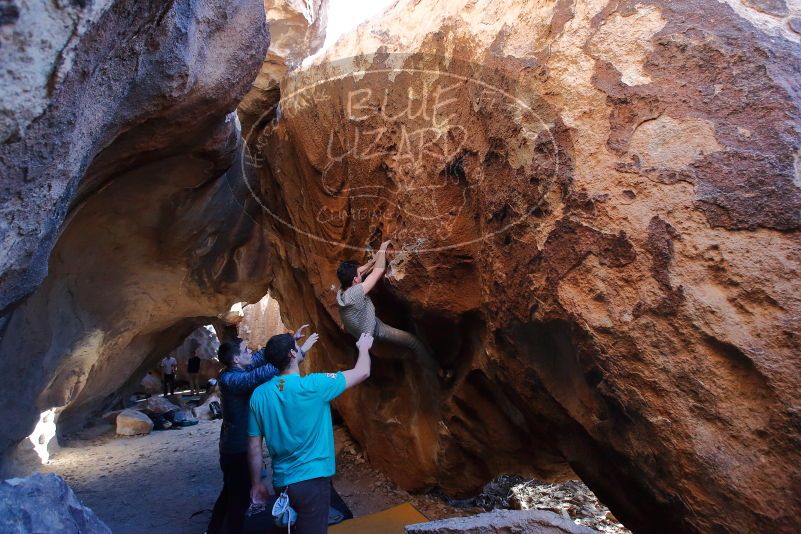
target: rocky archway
<point>124,191</point>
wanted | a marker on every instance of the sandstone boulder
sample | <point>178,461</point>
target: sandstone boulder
<point>594,208</point>
<point>45,503</point>
<point>596,222</point>
<point>506,521</point>
<point>571,499</point>
<point>297,30</point>
<point>110,417</point>
<point>132,423</point>
<point>158,404</point>
<point>204,343</point>
<point>260,321</point>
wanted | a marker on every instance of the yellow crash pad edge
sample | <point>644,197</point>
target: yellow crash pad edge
<point>390,521</point>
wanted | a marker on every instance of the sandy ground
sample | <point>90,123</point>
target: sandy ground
<point>163,482</point>
<point>167,482</point>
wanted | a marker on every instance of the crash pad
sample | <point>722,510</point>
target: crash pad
<point>389,521</point>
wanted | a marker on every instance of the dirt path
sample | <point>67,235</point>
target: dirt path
<point>167,482</point>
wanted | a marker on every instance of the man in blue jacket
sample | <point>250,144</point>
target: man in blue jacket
<point>244,371</point>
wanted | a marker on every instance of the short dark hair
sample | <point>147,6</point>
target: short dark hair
<point>347,272</point>
<point>228,350</point>
<point>278,350</point>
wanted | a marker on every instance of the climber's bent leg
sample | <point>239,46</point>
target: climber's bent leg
<point>395,336</point>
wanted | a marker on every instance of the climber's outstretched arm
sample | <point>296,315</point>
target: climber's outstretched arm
<point>361,371</point>
<point>366,267</point>
<point>378,270</point>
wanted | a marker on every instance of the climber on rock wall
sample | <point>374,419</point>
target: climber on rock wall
<point>357,310</point>
<point>244,371</point>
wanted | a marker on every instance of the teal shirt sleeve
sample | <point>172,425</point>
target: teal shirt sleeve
<point>329,386</point>
<point>254,423</point>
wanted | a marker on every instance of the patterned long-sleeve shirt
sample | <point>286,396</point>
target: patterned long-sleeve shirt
<point>236,386</point>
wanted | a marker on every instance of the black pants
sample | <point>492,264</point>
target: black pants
<point>169,380</point>
<point>309,493</point>
<point>229,510</point>
<point>310,499</point>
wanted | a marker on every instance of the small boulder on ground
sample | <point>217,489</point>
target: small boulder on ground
<point>178,400</point>
<point>160,405</point>
<point>517,521</point>
<point>203,411</point>
<point>132,423</point>
<point>45,503</point>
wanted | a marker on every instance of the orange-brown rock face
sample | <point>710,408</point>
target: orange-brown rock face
<point>595,214</point>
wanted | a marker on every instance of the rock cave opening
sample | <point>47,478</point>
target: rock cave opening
<point>254,323</point>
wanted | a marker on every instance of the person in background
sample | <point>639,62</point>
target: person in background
<point>168,366</point>
<point>243,372</point>
<point>293,414</point>
<point>193,370</point>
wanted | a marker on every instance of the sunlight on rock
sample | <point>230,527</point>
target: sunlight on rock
<point>44,432</point>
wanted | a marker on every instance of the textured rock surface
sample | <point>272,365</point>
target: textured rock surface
<point>598,211</point>
<point>45,503</point>
<point>571,499</point>
<point>159,404</point>
<point>502,521</point>
<point>151,383</point>
<point>131,162</point>
<point>205,342</point>
<point>132,423</point>
<point>260,321</point>
<point>96,73</point>
<point>607,237</point>
<point>297,30</point>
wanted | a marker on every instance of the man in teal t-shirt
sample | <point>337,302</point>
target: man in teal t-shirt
<point>293,414</point>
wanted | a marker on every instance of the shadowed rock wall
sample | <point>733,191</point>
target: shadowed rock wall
<point>122,188</point>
